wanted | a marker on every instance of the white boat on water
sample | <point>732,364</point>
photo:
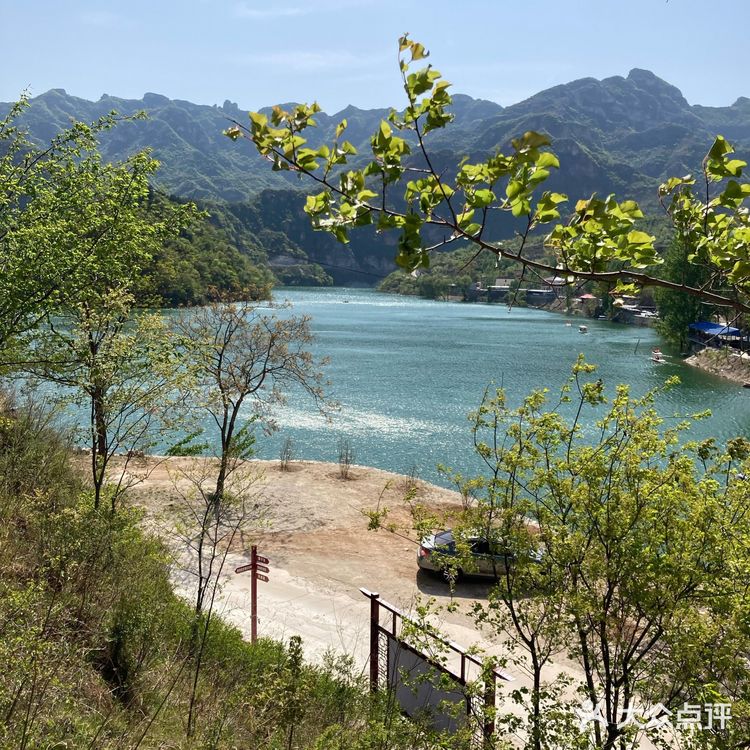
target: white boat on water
<point>657,356</point>
<point>583,329</point>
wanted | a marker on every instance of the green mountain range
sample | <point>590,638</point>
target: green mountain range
<point>621,135</point>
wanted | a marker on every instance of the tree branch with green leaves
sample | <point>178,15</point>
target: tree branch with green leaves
<point>399,190</point>
<point>639,566</point>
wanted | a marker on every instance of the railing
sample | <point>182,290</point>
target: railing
<point>461,667</point>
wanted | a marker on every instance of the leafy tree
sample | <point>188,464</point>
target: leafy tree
<point>123,373</point>
<point>622,548</point>
<point>678,310</point>
<point>433,287</point>
<point>243,362</point>
<point>61,213</point>
<point>78,332</point>
<point>599,242</point>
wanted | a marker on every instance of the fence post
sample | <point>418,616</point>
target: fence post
<point>374,641</point>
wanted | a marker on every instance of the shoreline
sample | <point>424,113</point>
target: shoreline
<point>313,527</point>
<point>723,364</point>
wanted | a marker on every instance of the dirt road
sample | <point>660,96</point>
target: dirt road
<point>312,525</point>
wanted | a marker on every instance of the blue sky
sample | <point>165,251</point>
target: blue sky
<point>341,52</point>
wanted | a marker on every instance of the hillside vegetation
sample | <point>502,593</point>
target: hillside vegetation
<point>206,262</point>
<point>621,134</point>
<point>95,646</point>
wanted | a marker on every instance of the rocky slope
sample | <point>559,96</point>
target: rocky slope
<point>620,134</point>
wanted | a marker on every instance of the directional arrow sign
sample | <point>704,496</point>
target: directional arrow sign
<point>261,577</point>
<point>261,568</point>
<point>262,559</point>
<point>243,568</point>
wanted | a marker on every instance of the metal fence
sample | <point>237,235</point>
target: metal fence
<point>450,690</point>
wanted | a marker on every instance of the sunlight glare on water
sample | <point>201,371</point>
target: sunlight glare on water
<point>407,371</point>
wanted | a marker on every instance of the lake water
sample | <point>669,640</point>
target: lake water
<point>407,371</point>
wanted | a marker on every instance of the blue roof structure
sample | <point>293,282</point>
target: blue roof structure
<point>714,329</point>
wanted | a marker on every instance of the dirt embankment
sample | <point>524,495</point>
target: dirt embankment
<point>724,363</point>
<point>313,526</point>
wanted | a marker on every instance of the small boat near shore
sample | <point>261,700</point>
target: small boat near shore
<point>657,356</point>
<point>583,329</point>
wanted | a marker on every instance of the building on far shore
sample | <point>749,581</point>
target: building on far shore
<point>705,334</point>
<point>499,291</point>
<point>542,296</point>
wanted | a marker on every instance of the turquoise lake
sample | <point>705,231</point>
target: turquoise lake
<point>407,371</point>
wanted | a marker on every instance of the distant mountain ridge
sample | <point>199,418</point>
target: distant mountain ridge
<point>619,134</point>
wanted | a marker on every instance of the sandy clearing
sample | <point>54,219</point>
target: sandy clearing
<point>314,531</point>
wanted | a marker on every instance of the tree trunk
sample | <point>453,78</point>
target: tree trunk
<point>99,444</point>
<point>536,710</point>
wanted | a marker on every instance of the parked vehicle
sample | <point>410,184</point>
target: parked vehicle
<point>487,559</point>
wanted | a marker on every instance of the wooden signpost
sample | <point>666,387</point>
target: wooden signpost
<point>258,566</point>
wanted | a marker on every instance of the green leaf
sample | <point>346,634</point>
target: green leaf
<point>513,189</point>
<point>258,119</point>
<point>719,148</point>
<point>735,167</point>
<point>640,238</point>
<point>418,52</point>
<point>531,140</point>
<point>740,271</point>
<point>340,233</point>
<point>421,81</point>
<point>481,198</point>
<point>547,160</point>
<point>464,219</point>
<point>538,175</point>
<point>546,210</point>
<point>630,208</point>
<point>735,191</point>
